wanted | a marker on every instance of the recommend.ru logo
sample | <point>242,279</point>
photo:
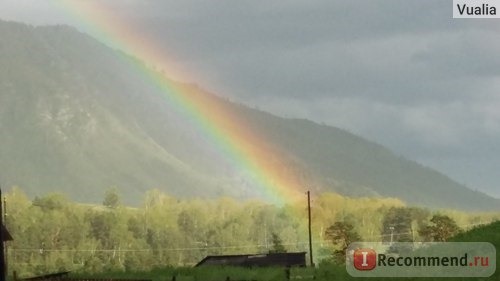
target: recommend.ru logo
<point>425,259</point>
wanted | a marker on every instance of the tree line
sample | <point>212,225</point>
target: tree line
<point>52,233</point>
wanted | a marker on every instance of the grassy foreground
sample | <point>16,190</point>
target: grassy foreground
<point>324,272</point>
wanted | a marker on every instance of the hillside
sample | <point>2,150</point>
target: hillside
<point>76,118</point>
<point>484,233</point>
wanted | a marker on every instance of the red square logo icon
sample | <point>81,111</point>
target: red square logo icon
<point>365,259</point>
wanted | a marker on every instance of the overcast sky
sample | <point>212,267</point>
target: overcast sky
<point>401,73</point>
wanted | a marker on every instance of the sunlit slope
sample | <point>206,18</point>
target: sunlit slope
<point>75,117</point>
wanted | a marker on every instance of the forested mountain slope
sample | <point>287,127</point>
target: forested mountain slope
<point>76,118</point>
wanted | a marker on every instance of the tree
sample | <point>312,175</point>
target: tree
<point>277,244</point>
<point>111,198</point>
<point>341,234</point>
<point>50,202</point>
<point>440,230</point>
<point>397,225</point>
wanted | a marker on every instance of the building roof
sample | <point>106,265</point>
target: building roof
<point>249,260</point>
<point>51,276</point>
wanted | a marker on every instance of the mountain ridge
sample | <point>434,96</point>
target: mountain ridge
<point>78,119</point>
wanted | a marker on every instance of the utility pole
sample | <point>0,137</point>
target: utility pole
<point>310,236</point>
<point>391,228</point>
<point>2,257</point>
<point>6,251</point>
<point>265,236</point>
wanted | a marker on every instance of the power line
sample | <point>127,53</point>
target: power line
<point>321,242</point>
<point>150,250</point>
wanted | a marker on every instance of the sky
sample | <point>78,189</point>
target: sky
<point>404,74</point>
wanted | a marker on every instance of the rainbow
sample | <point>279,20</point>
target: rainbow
<point>228,132</point>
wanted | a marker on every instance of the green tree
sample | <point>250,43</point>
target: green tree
<point>53,201</point>
<point>111,198</point>
<point>397,225</point>
<point>341,234</point>
<point>441,229</point>
<point>277,244</point>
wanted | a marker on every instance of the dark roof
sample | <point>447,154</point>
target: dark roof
<point>51,276</point>
<point>5,234</point>
<point>249,260</point>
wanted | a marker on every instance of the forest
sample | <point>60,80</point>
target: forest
<point>52,233</point>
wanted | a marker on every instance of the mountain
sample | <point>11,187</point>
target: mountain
<point>76,118</point>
